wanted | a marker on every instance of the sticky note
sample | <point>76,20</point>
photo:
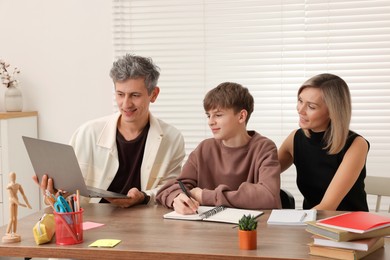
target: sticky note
<point>105,243</point>
<point>88,225</point>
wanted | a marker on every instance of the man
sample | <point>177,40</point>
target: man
<point>130,152</point>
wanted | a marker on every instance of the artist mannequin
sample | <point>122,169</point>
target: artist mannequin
<point>13,189</point>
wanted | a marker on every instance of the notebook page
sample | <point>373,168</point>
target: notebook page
<point>175,215</point>
<point>231,215</point>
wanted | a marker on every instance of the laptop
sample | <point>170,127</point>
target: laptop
<point>60,163</point>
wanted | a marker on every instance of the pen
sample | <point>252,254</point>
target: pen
<point>303,216</point>
<point>78,200</point>
<point>49,196</point>
<point>183,188</point>
<point>69,200</point>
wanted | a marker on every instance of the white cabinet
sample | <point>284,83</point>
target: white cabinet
<point>14,158</point>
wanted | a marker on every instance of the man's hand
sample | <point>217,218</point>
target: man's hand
<point>184,205</point>
<point>134,197</point>
<point>47,184</point>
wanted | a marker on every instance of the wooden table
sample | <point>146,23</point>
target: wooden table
<point>144,234</point>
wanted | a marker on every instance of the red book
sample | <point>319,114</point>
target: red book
<point>357,222</point>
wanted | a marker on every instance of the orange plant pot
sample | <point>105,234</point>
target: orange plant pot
<point>247,240</point>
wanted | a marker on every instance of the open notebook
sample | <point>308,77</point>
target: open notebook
<point>215,214</point>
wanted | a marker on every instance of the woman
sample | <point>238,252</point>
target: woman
<point>330,159</point>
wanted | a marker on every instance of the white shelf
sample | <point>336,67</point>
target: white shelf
<point>14,158</point>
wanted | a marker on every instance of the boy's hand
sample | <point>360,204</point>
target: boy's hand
<point>185,205</point>
<point>197,194</point>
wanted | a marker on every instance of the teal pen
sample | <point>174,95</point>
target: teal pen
<point>183,188</point>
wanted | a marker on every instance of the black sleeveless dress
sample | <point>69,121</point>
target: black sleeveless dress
<point>315,170</point>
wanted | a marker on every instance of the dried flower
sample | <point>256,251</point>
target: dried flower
<point>8,79</point>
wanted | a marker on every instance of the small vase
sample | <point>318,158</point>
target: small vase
<point>247,240</point>
<point>13,100</point>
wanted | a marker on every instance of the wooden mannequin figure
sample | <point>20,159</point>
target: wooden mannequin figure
<point>13,189</point>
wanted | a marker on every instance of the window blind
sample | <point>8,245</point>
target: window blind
<point>271,47</point>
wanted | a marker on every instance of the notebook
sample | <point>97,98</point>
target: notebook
<point>342,253</point>
<point>59,162</point>
<point>360,244</point>
<point>215,214</point>
<point>291,216</point>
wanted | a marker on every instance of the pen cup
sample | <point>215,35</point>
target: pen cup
<point>69,227</point>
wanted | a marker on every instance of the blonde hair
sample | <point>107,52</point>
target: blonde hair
<point>336,95</point>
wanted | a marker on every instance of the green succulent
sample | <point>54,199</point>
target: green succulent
<point>248,222</point>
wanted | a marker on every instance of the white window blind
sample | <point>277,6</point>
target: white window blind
<point>271,47</point>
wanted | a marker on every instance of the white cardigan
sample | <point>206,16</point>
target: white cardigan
<point>95,145</point>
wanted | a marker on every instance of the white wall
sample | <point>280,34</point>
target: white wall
<point>64,50</point>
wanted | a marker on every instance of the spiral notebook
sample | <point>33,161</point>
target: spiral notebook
<point>216,214</point>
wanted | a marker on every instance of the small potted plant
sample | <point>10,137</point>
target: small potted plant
<point>247,232</point>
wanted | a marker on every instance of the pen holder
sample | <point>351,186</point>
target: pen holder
<point>69,227</point>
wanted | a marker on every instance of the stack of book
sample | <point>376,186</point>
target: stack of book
<point>352,235</point>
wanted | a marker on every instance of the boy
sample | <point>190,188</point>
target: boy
<point>237,168</point>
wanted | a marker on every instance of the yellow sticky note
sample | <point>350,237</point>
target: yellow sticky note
<point>105,243</point>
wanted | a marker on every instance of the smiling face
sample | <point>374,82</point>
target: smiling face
<point>224,123</point>
<point>312,110</point>
<point>133,101</point>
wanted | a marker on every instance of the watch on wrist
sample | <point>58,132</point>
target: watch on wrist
<point>146,198</point>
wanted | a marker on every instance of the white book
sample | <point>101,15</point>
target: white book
<point>294,217</point>
<point>361,244</point>
<point>215,214</point>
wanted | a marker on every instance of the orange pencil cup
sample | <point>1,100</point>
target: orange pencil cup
<point>69,227</point>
